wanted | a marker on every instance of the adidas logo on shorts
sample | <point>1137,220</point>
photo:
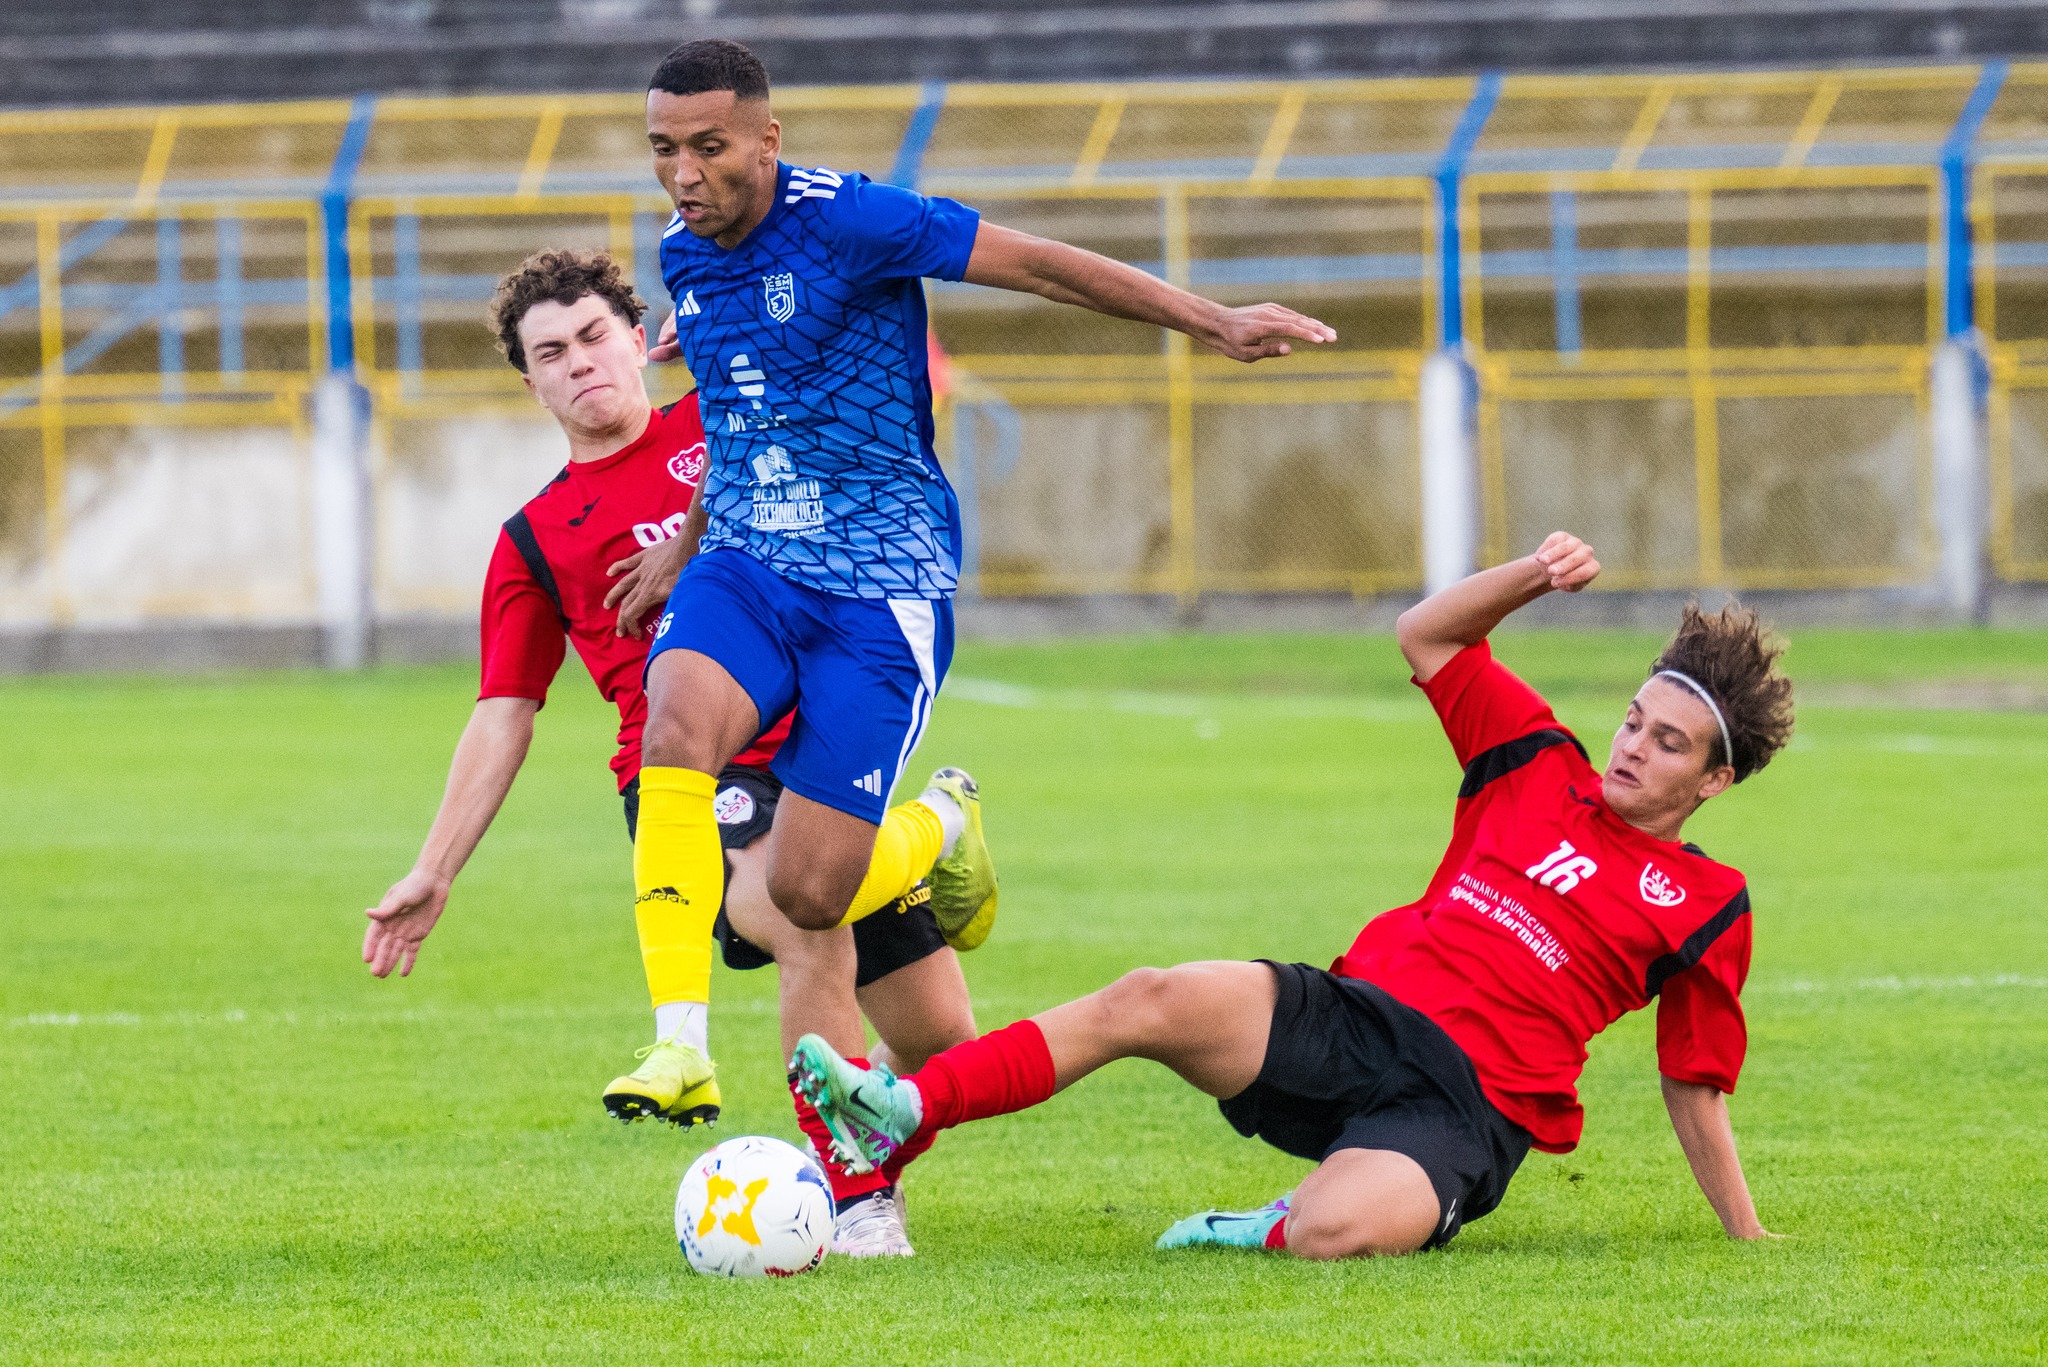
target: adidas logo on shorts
<point>872,783</point>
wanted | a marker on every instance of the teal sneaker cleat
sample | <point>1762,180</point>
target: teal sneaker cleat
<point>1226,1228</point>
<point>870,1111</point>
<point>964,882</point>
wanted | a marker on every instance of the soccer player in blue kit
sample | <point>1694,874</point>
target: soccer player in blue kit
<point>824,577</point>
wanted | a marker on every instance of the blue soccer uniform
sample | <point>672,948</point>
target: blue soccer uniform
<point>825,576</point>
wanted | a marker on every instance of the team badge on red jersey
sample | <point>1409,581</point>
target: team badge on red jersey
<point>687,466</point>
<point>1657,889</point>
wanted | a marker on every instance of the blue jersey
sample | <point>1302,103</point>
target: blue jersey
<point>807,342</point>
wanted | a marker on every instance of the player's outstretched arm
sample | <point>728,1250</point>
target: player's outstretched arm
<point>1433,631</point>
<point>1699,1113</point>
<point>487,759</point>
<point>1010,260</point>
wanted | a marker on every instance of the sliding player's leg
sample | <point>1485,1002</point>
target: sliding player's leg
<point>1208,1022</point>
<point>717,666</point>
<point>1409,1147</point>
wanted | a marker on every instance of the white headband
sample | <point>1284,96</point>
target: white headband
<point>1727,745</point>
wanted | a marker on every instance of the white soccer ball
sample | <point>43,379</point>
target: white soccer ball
<point>754,1207</point>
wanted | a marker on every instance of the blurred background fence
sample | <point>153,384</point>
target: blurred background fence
<point>1701,318</point>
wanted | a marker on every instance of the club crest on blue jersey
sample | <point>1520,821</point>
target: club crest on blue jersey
<point>779,293</point>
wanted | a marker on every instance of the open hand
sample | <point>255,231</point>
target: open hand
<point>665,347</point>
<point>401,921</point>
<point>1261,330</point>
<point>649,577</point>
<point>1568,561</point>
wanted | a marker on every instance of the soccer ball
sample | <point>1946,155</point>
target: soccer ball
<point>754,1207</point>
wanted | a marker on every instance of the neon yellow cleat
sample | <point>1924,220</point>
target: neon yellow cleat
<point>964,882</point>
<point>676,1083</point>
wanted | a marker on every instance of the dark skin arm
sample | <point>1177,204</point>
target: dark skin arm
<point>1004,258</point>
<point>650,576</point>
<point>1010,260</point>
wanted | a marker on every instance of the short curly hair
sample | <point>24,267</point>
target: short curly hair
<point>1732,656</point>
<point>559,277</point>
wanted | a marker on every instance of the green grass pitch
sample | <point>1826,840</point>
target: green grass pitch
<point>223,1142</point>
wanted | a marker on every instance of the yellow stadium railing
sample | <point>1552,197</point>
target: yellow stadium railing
<point>1674,266</point>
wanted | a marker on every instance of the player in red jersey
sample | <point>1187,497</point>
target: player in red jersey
<point>1421,1067</point>
<point>569,323</point>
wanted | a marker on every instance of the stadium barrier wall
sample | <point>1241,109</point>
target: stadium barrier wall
<point>1751,332</point>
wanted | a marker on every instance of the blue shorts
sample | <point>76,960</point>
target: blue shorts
<point>860,672</point>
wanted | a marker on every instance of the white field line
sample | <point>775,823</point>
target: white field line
<point>1963,984</point>
<point>994,693</point>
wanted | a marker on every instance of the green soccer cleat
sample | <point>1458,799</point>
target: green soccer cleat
<point>870,1112</point>
<point>964,882</point>
<point>676,1083</point>
<point>1226,1228</point>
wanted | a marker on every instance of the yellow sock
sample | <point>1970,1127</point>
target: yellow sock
<point>678,881</point>
<point>905,849</point>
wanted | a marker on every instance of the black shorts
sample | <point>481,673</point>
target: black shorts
<point>1349,1067</point>
<point>895,937</point>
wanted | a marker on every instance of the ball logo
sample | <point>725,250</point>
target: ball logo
<point>727,1207</point>
<point>733,806</point>
<point>1657,889</point>
<point>686,467</point>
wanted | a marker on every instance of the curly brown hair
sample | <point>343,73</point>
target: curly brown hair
<point>1734,658</point>
<point>560,277</point>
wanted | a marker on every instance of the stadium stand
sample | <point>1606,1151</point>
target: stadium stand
<point>183,50</point>
<point>1700,317</point>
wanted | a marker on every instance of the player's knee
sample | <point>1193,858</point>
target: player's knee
<point>1324,1235</point>
<point>811,902</point>
<point>1138,1006</point>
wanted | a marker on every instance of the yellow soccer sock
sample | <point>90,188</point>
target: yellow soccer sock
<point>906,847</point>
<point>678,881</point>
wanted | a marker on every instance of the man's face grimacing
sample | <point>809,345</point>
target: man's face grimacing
<point>714,153</point>
<point>583,362</point>
<point>1666,759</point>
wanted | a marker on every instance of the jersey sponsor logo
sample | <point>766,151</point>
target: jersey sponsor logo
<point>814,184</point>
<point>751,380</point>
<point>870,783</point>
<point>778,292</point>
<point>774,466</point>
<point>651,534</point>
<point>689,308</point>
<point>1657,888</point>
<point>687,466</point>
<point>1511,916</point>
<point>733,806</point>
<point>1563,869</point>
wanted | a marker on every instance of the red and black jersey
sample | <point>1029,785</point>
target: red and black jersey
<point>1551,917</point>
<point>547,580</point>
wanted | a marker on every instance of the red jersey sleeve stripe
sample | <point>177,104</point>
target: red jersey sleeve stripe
<point>520,529</point>
<point>1503,759</point>
<point>1665,967</point>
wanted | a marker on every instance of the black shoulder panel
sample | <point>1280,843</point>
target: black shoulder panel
<point>1510,755</point>
<point>523,540</point>
<point>672,407</point>
<point>1665,967</point>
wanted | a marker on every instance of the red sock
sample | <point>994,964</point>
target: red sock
<point>1276,1237</point>
<point>912,1148</point>
<point>1003,1071</point>
<point>846,1186</point>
